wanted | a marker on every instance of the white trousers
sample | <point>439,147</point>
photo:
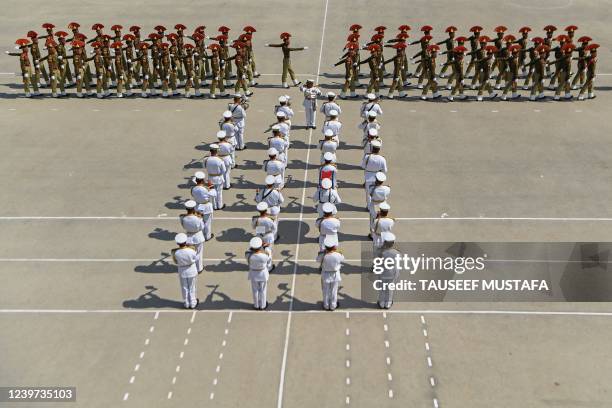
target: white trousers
<point>207,219</point>
<point>311,114</point>
<point>259,289</point>
<point>240,137</point>
<point>200,256</point>
<point>385,296</point>
<point>219,199</point>
<point>330,294</point>
<point>189,291</point>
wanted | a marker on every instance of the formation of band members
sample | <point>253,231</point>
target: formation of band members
<point>215,177</point>
<point>173,60</point>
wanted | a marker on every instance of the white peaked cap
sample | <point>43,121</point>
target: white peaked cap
<point>227,114</point>
<point>200,175</point>
<point>372,132</point>
<point>329,156</point>
<point>255,243</point>
<point>333,112</point>
<point>372,114</point>
<point>279,178</point>
<point>221,134</point>
<point>384,206</point>
<point>330,241</point>
<point>180,238</point>
<point>330,94</point>
<point>328,132</point>
<point>214,146</point>
<point>329,208</point>
<point>282,99</point>
<point>276,128</point>
<point>380,176</point>
<point>376,143</point>
<point>388,236</point>
<point>270,179</point>
<point>189,204</point>
<point>326,183</point>
<point>281,114</point>
<point>272,151</point>
<point>371,96</point>
<point>262,206</point>
<point>237,95</point>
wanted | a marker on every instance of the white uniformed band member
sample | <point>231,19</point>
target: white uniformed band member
<point>264,225</point>
<point>230,130</point>
<point>185,258</point>
<point>204,198</point>
<point>285,107</point>
<point>278,142</point>
<point>273,197</point>
<point>371,105</point>
<point>311,92</point>
<point>371,164</point>
<point>330,262</point>
<point>329,170</point>
<point>368,124</point>
<point>328,224</point>
<point>379,193</point>
<point>382,223</point>
<point>330,105</point>
<point>334,124</point>
<point>193,225</point>
<point>226,153</point>
<point>325,194</point>
<point>275,167</point>
<point>258,260</point>
<point>239,119</point>
<point>215,167</point>
<point>389,275</point>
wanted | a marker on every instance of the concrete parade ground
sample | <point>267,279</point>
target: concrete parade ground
<point>92,189</point>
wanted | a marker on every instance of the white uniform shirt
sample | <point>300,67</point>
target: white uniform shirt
<point>238,114</point>
<point>322,196</point>
<point>225,152</point>
<point>274,167</point>
<point>279,144</point>
<point>203,197</point>
<point>329,168</point>
<point>271,196</point>
<point>329,226</point>
<point>264,227</point>
<point>367,126</point>
<point>331,263</point>
<point>393,273</point>
<point>193,225</point>
<point>372,164</point>
<point>367,147</point>
<point>284,129</point>
<point>258,265</point>
<point>334,125</point>
<point>310,95</point>
<point>286,110</point>
<point>330,106</point>
<point>370,107</point>
<point>230,131</point>
<point>185,258</point>
<point>378,194</point>
<point>215,167</point>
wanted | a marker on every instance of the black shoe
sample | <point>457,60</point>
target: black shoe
<point>298,83</point>
<point>314,127</point>
<point>367,209</point>
<point>224,205</point>
<point>273,268</point>
<point>226,188</point>
<point>197,303</point>
<point>200,271</point>
<point>211,237</point>
<point>267,304</point>
<point>370,237</point>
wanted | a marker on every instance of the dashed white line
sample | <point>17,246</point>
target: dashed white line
<point>151,329</point>
<point>137,367</point>
<point>156,315</point>
<point>429,362</point>
<point>169,394</point>
<point>212,395</point>
<point>126,396</point>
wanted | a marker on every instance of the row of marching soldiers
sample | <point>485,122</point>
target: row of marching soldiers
<point>207,196</point>
<point>128,61</point>
<point>512,57</point>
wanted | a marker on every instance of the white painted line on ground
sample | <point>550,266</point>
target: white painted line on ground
<point>317,311</point>
<point>281,385</point>
<point>140,357</point>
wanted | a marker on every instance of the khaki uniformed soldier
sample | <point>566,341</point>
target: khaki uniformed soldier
<point>120,70</point>
<point>478,55</point>
<point>460,43</point>
<point>402,36</point>
<point>457,64</point>
<point>63,59</point>
<point>539,71</point>
<point>513,65</point>
<point>191,79</point>
<point>287,50</point>
<point>223,42</point>
<point>533,57</point>
<point>374,62</point>
<point>591,65</point>
<point>155,52</point>
<point>185,258</point>
<point>166,71</point>
<point>486,64</point>
<point>109,70</point>
<point>241,68</point>
<point>523,42</point>
<point>245,39</point>
<point>548,40</point>
<point>498,42</point>
<point>250,53</point>
<point>39,69</point>
<point>351,64</point>
<point>79,59</point>
<point>429,71</point>
<point>578,80</point>
<point>564,65</point>
<point>130,61</point>
<point>135,30</point>
<point>98,59</point>
<point>330,263</point>
<point>450,45</point>
<point>180,51</point>
<point>424,43</point>
<point>377,42</point>
<point>145,71</point>
<point>475,46</point>
<point>501,58</point>
<point>216,70</point>
<point>558,56</point>
<point>398,70</point>
<point>175,62</point>
<point>27,73</point>
<point>55,74</point>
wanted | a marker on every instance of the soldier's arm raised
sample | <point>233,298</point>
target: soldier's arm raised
<point>342,61</point>
<point>274,45</point>
<point>14,54</point>
<point>297,48</point>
